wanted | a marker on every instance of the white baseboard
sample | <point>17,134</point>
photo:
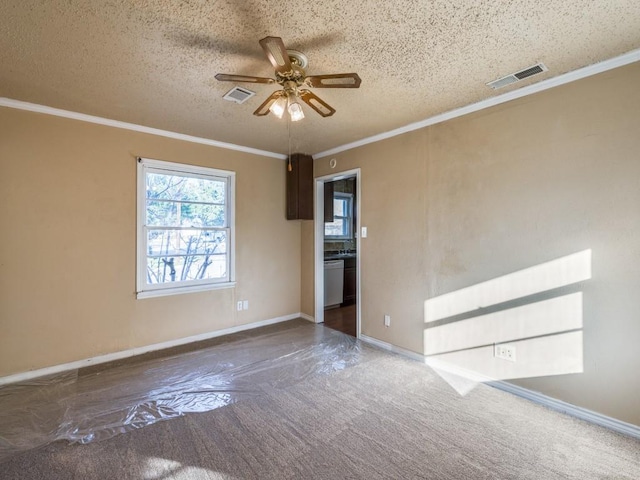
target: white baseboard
<point>539,398</point>
<point>132,352</point>
<point>392,348</point>
<point>569,409</point>
<point>307,317</point>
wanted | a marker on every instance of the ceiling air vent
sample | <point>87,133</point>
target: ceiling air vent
<point>238,95</point>
<point>516,77</point>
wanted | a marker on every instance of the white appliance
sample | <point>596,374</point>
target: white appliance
<point>333,282</point>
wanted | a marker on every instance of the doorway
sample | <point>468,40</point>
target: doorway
<point>337,252</point>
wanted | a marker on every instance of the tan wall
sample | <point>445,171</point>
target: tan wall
<point>504,189</point>
<point>68,246</point>
<point>307,305</point>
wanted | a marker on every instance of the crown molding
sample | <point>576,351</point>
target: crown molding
<point>33,107</point>
<point>619,61</point>
<point>625,59</point>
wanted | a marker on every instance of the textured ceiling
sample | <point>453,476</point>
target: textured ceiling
<point>152,63</point>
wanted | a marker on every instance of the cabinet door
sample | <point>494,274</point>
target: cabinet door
<point>300,188</point>
<point>349,287</point>
<point>328,202</point>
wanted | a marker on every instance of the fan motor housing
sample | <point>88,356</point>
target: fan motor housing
<point>296,74</point>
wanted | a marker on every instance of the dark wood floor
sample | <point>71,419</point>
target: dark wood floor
<point>342,319</point>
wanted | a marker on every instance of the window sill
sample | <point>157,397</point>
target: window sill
<point>189,289</point>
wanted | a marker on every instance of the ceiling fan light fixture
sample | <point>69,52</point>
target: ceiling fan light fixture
<point>278,107</point>
<point>290,74</point>
<point>295,110</point>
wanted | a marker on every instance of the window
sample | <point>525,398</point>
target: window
<point>342,225</point>
<point>185,228</point>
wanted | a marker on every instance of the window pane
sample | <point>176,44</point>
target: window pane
<point>335,228</point>
<point>172,214</point>
<point>339,207</point>
<point>180,269</point>
<point>177,187</point>
<point>162,214</point>
<point>186,242</point>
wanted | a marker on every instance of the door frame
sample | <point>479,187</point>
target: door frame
<point>318,228</point>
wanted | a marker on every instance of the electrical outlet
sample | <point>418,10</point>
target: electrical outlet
<point>245,304</point>
<point>387,320</point>
<point>505,352</point>
<point>239,305</point>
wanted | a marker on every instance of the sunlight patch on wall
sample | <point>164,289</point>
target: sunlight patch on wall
<point>541,278</point>
<point>536,339</point>
<point>558,354</point>
<point>535,319</point>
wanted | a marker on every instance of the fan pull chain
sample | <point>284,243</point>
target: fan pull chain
<point>289,135</point>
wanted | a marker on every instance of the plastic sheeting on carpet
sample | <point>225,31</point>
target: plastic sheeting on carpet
<point>85,407</point>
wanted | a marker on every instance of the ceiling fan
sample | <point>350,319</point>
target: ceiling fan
<point>290,74</point>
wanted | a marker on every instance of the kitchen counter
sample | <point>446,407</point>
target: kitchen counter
<point>339,256</point>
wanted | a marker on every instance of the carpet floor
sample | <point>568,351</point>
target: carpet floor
<point>387,417</point>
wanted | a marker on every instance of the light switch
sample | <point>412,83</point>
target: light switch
<point>364,232</point>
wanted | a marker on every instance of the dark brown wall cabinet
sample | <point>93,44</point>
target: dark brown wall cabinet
<point>300,188</point>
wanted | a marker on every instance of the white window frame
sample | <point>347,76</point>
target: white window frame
<point>147,290</point>
<point>348,218</point>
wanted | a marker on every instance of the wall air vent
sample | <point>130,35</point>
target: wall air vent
<point>238,95</point>
<point>516,77</point>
